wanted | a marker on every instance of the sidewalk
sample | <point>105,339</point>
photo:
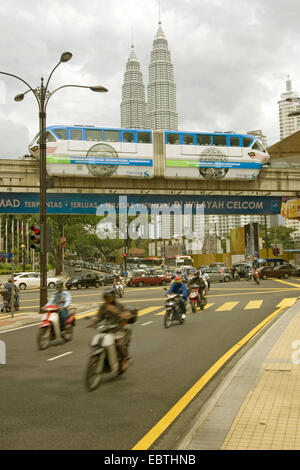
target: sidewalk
<point>257,405</point>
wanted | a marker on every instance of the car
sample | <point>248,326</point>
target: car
<point>242,269</point>
<point>32,281</point>
<point>203,267</point>
<point>297,270</point>
<point>106,279</point>
<point>141,280</point>
<point>281,271</point>
<point>78,268</point>
<point>220,266</point>
<point>87,280</point>
<point>216,276</point>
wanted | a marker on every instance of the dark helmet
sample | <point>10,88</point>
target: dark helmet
<point>110,292</point>
<point>59,284</point>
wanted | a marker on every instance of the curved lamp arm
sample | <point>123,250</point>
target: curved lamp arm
<point>99,89</point>
<point>21,79</point>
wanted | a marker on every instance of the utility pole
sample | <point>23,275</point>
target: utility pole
<point>266,237</point>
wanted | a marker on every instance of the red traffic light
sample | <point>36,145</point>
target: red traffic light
<point>35,229</point>
<point>35,238</point>
<point>124,254</point>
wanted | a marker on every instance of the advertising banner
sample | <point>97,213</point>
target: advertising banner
<point>73,203</point>
<point>291,209</point>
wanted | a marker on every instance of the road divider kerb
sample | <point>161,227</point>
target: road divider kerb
<point>160,427</point>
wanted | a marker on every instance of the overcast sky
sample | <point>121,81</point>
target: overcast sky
<point>231,59</point>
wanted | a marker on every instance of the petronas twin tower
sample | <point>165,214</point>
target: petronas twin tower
<point>160,110</point>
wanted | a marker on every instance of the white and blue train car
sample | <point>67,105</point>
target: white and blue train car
<point>92,151</point>
<point>213,155</point>
<point>86,151</point>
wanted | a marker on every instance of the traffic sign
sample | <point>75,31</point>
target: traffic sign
<point>6,255</point>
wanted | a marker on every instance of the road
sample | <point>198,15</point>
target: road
<point>43,400</point>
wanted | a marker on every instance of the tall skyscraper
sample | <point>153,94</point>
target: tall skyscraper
<point>161,90</point>
<point>287,124</point>
<point>133,105</point>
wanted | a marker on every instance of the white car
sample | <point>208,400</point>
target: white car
<point>32,280</point>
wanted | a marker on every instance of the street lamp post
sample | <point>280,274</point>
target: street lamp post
<point>23,257</point>
<point>42,95</point>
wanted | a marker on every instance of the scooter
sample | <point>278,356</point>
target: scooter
<point>257,277</point>
<point>196,299</point>
<point>173,310</point>
<point>104,355</point>
<point>119,289</point>
<point>7,306</point>
<point>49,329</point>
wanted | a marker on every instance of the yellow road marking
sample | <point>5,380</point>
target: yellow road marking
<point>207,306</point>
<point>287,282</point>
<point>148,310</point>
<point>288,302</point>
<point>226,306</point>
<point>253,304</point>
<point>182,403</point>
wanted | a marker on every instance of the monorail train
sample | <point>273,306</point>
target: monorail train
<point>89,151</point>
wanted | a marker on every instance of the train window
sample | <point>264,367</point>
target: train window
<point>234,141</point>
<point>128,137</point>
<point>111,136</point>
<point>50,137</point>
<point>61,133</point>
<point>173,139</point>
<point>258,146</point>
<point>219,140</point>
<point>246,141</point>
<point>203,139</point>
<point>76,134</point>
<point>144,138</point>
<point>188,139</point>
<point>94,135</point>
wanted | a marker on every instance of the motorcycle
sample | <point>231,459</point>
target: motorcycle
<point>7,306</point>
<point>119,289</point>
<point>197,299</point>
<point>257,277</point>
<point>104,355</point>
<point>49,329</point>
<point>173,310</point>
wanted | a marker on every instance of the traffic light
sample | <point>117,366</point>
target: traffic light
<point>35,238</point>
<point>124,254</point>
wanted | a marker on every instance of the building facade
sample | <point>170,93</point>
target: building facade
<point>288,124</point>
<point>161,89</point>
<point>133,105</point>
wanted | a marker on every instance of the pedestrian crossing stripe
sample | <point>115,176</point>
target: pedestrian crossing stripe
<point>253,304</point>
<point>144,311</point>
<point>227,306</point>
<point>288,302</point>
<point>159,310</point>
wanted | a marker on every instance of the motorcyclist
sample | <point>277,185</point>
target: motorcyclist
<point>117,315</point>
<point>63,299</point>
<point>178,287</point>
<point>9,286</point>
<point>235,273</point>
<point>198,281</point>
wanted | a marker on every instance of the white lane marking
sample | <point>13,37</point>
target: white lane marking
<point>143,324</point>
<point>20,327</point>
<point>61,355</point>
